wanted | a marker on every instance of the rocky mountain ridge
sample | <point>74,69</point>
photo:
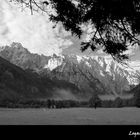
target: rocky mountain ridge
<point>89,73</point>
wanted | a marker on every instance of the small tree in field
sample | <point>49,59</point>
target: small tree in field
<point>95,101</point>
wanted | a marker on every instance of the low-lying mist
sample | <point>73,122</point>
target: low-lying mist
<point>64,94</point>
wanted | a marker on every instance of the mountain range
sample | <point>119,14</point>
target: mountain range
<point>65,76</point>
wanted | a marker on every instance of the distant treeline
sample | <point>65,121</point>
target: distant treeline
<point>118,102</point>
<point>50,103</point>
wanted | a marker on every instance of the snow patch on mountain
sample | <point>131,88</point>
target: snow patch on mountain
<point>87,63</point>
<point>135,65</point>
<point>79,58</point>
<point>101,73</point>
<point>54,63</point>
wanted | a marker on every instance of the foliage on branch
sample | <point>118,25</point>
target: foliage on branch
<point>115,23</point>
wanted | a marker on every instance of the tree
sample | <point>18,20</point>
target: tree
<point>115,24</point>
<point>95,101</point>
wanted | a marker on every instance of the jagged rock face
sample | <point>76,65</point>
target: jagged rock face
<point>89,74</point>
<point>21,57</point>
<point>71,72</point>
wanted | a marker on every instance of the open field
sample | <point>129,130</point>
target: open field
<point>71,116</point>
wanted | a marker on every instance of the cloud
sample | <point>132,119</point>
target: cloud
<point>33,31</point>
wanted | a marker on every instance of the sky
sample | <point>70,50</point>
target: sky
<point>35,33</point>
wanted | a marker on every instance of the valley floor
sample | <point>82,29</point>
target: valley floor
<point>76,116</point>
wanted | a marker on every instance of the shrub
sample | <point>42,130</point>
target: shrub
<point>137,100</point>
<point>117,102</point>
<point>107,103</point>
